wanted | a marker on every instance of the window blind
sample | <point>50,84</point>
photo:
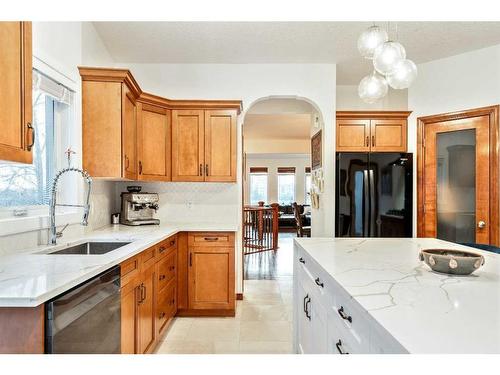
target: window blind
<point>286,169</point>
<point>258,169</point>
<point>50,87</point>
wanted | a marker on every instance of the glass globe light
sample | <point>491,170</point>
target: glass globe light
<point>372,88</point>
<point>371,39</point>
<point>403,74</point>
<point>387,55</point>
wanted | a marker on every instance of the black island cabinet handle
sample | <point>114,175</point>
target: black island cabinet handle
<point>318,283</point>
<point>339,347</point>
<point>301,260</point>
<point>343,315</point>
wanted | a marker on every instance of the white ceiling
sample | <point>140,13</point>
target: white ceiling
<point>285,42</point>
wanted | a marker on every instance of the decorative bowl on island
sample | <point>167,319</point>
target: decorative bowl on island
<point>453,262</point>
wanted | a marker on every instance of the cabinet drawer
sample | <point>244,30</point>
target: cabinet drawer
<point>167,269</point>
<point>342,341</point>
<point>166,307</point>
<point>309,273</point>
<point>216,239</point>
<point>148,258</point>
<point>129,269</point>
<point>166,246</point>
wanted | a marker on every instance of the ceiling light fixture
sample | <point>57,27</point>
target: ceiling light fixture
<point>389,60</point>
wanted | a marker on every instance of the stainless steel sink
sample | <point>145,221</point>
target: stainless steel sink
<point>90,248</point>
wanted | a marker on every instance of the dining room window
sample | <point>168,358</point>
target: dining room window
<point>286,185</point>
<point>258,185</point>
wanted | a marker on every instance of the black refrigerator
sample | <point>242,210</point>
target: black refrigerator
<point>374,194</point>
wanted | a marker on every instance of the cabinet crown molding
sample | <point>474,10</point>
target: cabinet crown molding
<point>125,76</point>
<point>372,114</point>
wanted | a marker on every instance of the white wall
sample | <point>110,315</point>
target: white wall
<point>348,100</point>
<point>58,49</point>
<point>272,162</point>
<point>278,146</point>
<point>251,82</point>
<point>464,81</point>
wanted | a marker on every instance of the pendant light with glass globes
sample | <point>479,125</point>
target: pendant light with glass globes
<point>389,62</point>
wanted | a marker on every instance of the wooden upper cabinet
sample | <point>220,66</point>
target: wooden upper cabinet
<point>17,135</point>
<point>220,146</point>
<point>388,135</point>
<point>153,143</point>
<point>353,135</point>
<point>133,135</point>
<point>372,131</point>
<point>188,145</point>
<point>109,123</point>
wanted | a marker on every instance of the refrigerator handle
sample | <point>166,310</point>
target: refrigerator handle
<point>372,218</point>
<point>366,204</point>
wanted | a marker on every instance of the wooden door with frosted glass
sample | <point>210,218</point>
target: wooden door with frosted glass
<point>456,181</point>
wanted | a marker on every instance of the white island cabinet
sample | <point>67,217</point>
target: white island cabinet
<point>361,296</point>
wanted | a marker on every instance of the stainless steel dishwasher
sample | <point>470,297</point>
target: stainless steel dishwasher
<point>86,319</point>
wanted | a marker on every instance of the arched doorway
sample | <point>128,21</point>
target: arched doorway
<point>276,146</point>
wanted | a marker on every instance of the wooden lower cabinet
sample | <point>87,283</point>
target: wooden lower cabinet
<point>129,300</point>
<point>146,311</point>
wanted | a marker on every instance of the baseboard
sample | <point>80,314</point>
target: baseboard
<point>207,313</point>
<point>239,296</point>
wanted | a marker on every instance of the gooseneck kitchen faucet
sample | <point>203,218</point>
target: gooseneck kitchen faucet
<point>53,235</point>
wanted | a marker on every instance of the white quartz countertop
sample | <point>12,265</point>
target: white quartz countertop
<point>425,311</point>
<point>31,277</point>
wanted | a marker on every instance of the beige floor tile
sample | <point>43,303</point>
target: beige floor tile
<point>266,331</point>
<point>227,347</point>
<point>186,347</point>
<point>252,312</point>
<point>263,298</point>
<point>266,347</point>
<point>178,329</point>
<point>214,329</point>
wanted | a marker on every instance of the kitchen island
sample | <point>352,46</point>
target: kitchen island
<point>376,296</point>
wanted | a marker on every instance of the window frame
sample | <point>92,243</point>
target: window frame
<point>28,218</point>
<point>250,175</point>
<point>294,187</point>
<point>307,194</point>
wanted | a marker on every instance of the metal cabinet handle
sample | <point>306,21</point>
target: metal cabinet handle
<point>339,347</point>
<point>30,127</point>
<point>206,169</point>
<point>144,288</point>
<point>481,224</point>
<point>301,260</point>
<point>162,277</point>
<point>304,303</point>
<point>140,167</point>
<point>161,249</point>
<point>190,259</point>
<point>162,315</point>
<point>318,283</point>
<point>373,141</point>
<point>201,170</point>
<point>172,243</point>
<point>367,141</point>
<point>307,308</point>
<point>343,315</point>
<point>211,238</point>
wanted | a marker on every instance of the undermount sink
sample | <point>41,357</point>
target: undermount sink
<point>90,248</point>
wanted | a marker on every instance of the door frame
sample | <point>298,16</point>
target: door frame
<point>493,113</point>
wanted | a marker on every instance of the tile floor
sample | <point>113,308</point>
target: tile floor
<point>263,321</point>
<point>262,325</point>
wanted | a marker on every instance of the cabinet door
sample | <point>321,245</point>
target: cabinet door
<point>188,155</point>
<point>129,134</point>
<point>146,311</point>
<point>220,146</point>
<point>388,135</point>
<point>166,308</point>
<point>319,322</point>
<point>153,143</point>
<point>16,137</point>
<point>129,298</point>
<point>353,135</point>
<point>211,278</point>
<point>304,325</point>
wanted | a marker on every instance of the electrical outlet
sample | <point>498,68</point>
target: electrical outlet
<point>189,205</point>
